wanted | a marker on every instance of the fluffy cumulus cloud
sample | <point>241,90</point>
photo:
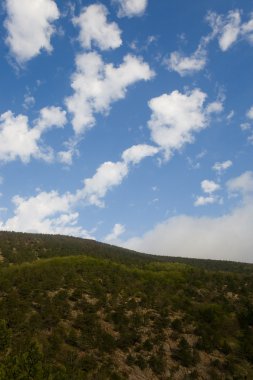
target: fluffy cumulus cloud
<point>176,117</point>
<point>230,28</point>
<point>221,167</point>
<point>45,213</point>
<point>94,28</point>
<point>97,85</point>
<point>117,231</point>
<point>29,26</point>
<point>19,141</point>
<point>225,237</point>
<point>187,65</point>
<point>131,8</point>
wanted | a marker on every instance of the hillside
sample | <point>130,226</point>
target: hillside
<point>78,309</point>
<point>16,248</point>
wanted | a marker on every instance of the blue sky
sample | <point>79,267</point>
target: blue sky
<point>131,122</point>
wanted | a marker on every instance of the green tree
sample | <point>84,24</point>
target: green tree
<point>5,335</point>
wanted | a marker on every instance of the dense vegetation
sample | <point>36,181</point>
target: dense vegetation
<point>73,309</point>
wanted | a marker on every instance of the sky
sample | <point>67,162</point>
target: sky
<point>129,122</point>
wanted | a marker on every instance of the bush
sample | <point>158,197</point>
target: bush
<point>185,354</point>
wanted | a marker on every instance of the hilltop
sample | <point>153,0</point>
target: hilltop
<point>18,247</point>
<point>77,309</point>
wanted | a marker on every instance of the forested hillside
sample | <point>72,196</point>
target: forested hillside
<point>77,309</point>
<point>16,248</point>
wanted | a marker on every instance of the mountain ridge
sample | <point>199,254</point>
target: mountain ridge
<point>46,244</point>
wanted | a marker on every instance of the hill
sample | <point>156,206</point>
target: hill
<point>17,247</point>
<point>78,309</point>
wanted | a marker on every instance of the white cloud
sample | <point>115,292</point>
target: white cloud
<point>226,28</point>
<point>131,8</point>
<point>245,126</point>
<point>209,187</point>
<point>50,212</point>
<point>95,29</point>
<point>29,101</point>
<point>107,176</point>
<point>176,117</point>
<point>65,157</point>
<point>184,65</point>
<point>226,237</point>
<point>247,29</point>
<point>117,231</point>
<point>45,213</point>
<point>214,107</point>
<point>19,141</point>
<point>29,27</point>
<point>229,28</point>
<point>250,139</point>
<point>201,201</point>
<point>230,31</point>
<point>242,184</point>
<point>97,85</point>
<point>230,115</point>
<point>220,167</point>
<point>137,152</point>
<point>51,116</point>
<point>188,65</point>
<point>195,162</point>
<point>111,174</point>
<point>250,113</point>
